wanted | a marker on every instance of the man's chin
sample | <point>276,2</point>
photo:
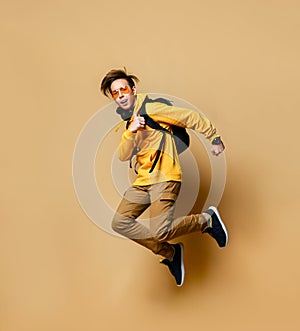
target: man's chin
<point>125,107</point>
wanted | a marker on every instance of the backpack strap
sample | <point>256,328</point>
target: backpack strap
<point>154,125</point>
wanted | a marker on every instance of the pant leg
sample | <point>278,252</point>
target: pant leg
<point>163,226</point>
<point>161,198</point>
<point>135,201</point>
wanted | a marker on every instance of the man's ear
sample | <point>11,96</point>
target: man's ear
<point>134,90</point>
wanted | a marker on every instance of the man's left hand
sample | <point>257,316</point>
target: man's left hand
<point>217,149</point>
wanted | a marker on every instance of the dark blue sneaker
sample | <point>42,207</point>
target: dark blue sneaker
<point>176,266</point>
<point>216,227</point>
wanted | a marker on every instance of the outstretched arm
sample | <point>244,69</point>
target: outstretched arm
<point>190,119</point>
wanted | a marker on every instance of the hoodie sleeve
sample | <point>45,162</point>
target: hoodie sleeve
<point>127,145</point>
<point>186,118</point>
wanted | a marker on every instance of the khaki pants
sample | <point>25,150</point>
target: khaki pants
<point>160,199</point>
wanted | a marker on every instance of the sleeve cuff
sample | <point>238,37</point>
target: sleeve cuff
<point>214,136</point>
<point>128,134</point>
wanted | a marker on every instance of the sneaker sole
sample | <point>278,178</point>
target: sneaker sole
<point>182,265</point>
<point>222,224</point>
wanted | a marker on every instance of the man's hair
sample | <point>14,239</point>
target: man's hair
<point>113,75</point>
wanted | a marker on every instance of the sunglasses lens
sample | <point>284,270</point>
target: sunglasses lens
<point>115,94</point>
<point>123,90</point>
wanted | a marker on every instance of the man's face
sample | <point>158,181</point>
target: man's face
<point>123,94</point>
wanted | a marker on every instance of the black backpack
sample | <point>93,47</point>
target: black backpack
<point>179,134</point>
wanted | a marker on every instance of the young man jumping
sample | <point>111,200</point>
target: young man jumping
<point>157,186</point>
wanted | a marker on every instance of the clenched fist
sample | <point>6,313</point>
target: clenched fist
<point>137,123</point>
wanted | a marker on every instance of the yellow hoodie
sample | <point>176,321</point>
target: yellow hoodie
<point>147,141</point>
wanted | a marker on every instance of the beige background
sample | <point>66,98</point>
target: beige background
<point>238,61</point>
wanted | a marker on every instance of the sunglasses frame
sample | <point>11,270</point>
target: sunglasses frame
<point>124,90</point>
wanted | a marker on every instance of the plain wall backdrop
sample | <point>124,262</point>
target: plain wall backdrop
<point>238,61</point>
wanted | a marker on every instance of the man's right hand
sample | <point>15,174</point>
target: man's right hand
<point>137,123</point>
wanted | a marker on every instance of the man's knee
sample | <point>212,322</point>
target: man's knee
<point>120,224</point>
<point>117,225</point>
<point>160,234</point>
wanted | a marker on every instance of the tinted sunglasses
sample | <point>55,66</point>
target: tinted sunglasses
<point>123,90</point>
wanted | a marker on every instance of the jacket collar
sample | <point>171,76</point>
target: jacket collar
<point>127,114</point>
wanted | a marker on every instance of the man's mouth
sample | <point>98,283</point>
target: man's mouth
<point>124,101</point>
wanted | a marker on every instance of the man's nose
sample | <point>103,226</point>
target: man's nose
<point>121,95</point>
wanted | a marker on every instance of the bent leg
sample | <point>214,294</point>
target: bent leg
<point>135,201</point>
<point>163,225</point>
